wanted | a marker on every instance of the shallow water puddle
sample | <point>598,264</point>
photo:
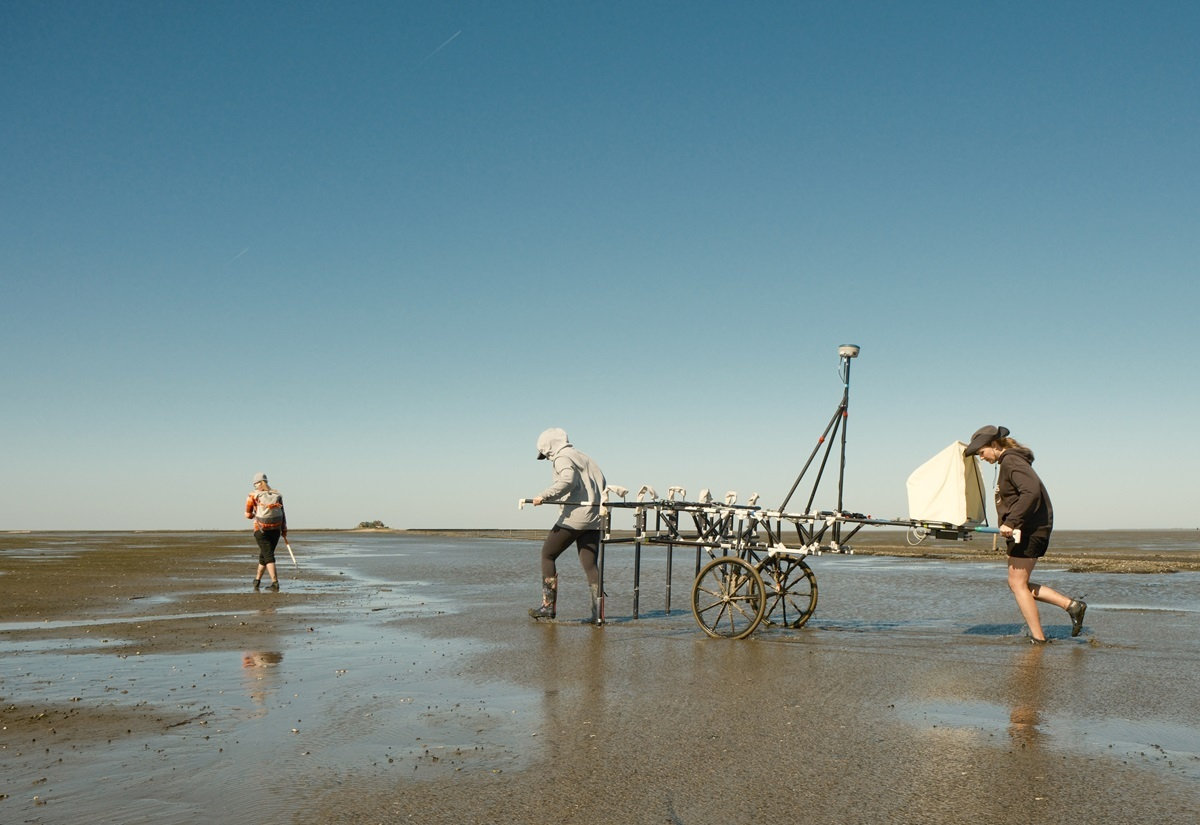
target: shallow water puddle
<point>6,627</point>
<point>1145,608</point>
<point>1165,746</point>
<point>360,695</point>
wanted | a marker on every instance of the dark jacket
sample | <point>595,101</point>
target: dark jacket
<point>1021,499</point>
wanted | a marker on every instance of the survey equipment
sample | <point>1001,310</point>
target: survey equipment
<point>752,561</point>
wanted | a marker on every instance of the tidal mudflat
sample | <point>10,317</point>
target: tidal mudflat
<point>396,678</point>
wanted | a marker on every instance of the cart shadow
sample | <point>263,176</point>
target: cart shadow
<point>643,615</point>
<point>855,626</point>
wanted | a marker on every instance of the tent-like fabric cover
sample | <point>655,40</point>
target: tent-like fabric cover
<point>947,488</point>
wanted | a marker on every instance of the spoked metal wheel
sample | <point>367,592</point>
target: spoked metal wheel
<point>791,590</point>
<point>728,598</point>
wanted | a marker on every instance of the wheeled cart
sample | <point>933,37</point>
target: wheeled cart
<point>751,561</point>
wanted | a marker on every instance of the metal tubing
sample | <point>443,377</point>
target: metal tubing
<point>639,531</point>
<point>811,456</point>
<point>670,554</point>
<point>637,575</point>
<point>845,426</point>
<point>600,564</point>
<point>837,528</point>
<point>821,469</point>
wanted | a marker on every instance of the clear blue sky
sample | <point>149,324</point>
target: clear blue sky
<point>373,249</point>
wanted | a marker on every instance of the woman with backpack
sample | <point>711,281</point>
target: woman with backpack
<point>265,507</point>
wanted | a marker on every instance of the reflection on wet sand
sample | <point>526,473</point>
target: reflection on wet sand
<point>1028,688</point>
<point>572,675</point>
<point>260,671</point>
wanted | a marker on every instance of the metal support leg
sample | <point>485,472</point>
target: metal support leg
<point>639,531</point>
<point>670,553</point>
<point>598,611</point>
<point>637,576</point>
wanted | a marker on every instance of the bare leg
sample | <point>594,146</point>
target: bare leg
<point>1048,595</point>
<point>1018,582</point>
<point>271,572</point>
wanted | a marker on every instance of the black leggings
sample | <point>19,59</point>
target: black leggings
<point>559,539</point>
<point>267,541</point>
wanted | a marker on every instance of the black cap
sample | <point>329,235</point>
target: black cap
<point>983,437</point>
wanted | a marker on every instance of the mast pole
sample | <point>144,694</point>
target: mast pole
<point>846,353</point>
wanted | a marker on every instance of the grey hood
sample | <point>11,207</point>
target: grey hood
<point>578,485</point>
<point>551,441</point>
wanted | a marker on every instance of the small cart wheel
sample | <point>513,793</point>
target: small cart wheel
<point>728,598</point>
<point>791,590</point>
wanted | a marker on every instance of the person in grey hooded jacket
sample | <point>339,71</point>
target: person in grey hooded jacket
<point>578,487</point>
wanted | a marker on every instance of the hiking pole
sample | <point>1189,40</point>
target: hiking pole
<point>290,553</point>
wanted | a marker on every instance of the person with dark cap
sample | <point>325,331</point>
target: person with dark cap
<point>578,486</point>
<point>264,506</point>
<point>1026,520</point>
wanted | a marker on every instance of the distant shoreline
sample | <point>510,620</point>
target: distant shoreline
<point>1077,550</point>
<point>1069,553</point>
<point>521,532</point>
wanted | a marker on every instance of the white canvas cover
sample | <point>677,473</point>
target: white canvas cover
<point>947,488</point>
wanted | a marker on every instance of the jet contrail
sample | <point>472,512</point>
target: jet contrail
<point>444,45</point>
<point>235,257</point>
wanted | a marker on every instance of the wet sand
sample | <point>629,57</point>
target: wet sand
<point>396,679</point>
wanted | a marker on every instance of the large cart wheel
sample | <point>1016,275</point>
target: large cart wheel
<point>728,598</point>
<point>791,590</point>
